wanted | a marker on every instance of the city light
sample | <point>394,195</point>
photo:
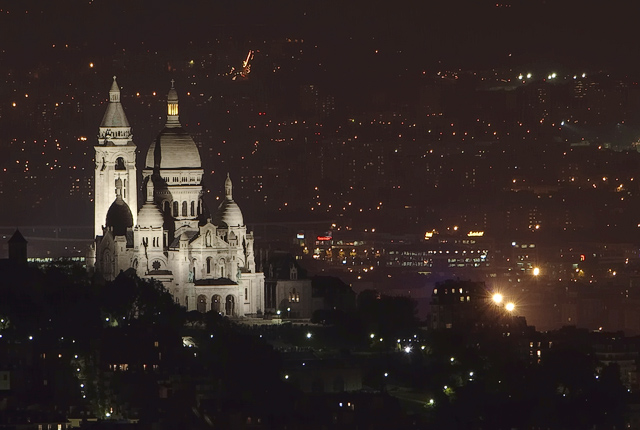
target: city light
<point>510,307</point>
<point>497,298</point>
<point>536,271</point>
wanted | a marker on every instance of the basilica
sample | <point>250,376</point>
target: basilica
<point>205,260</point>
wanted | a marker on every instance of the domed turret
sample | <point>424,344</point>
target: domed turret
<point>173,148</point>
<point>119,216</point>
<point>150,215</point>
<point>229,213</point>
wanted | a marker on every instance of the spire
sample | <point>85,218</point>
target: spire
<point>114,92</point>
<point>228,186</point>
<point>173,119</point>
<point>114,117</point>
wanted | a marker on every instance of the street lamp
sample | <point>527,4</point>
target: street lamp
<point>510,307</point>
<point>497,298</point>
<point>536,271</point>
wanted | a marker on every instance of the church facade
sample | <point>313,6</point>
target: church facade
<point>205,260</point>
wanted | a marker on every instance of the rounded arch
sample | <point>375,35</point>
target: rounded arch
<point>230,305</point>
<point>221,268</point>
<point>175,209</point>
<point>202,303</point>
<point>184,208</point>
<point>120,164</point>
<point>216,303</point>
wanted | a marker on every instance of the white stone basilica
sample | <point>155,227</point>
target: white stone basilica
<point>206,262</point>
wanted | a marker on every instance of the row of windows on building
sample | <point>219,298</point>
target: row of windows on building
<point>188,209</point>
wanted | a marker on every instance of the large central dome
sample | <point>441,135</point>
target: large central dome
<point>173,148</point>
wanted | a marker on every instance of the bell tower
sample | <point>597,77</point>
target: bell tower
<point>115,158</point>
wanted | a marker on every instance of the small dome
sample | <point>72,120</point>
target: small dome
<point>229,213</point>
<point>119,217</point>
<point>149,214</point>
<point>173,149</point>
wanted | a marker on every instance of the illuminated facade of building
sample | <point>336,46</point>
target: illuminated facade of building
<point>205,261</point>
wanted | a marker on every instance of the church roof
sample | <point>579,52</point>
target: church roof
<point>119,215</point>
<point>216,281</point>
<point>191,235</point>
<point>114,116</point>
<point>173,149</point>
<point>228,213</point>
<point>149,214</point>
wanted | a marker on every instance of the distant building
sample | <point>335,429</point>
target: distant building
<point>205,261</point>
<point>18,248</point>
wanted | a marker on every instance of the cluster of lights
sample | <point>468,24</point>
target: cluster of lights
<point>498,299</point>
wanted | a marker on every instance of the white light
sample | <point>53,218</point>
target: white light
<point>510,307</point>
<point>497,298</point>
<point>520,76</point>
<point>372,335</point>
<point>308,335</point>
<point>529,75</point>
<point>470,373</point>
<point>584,75</point>
<point>386,374</point>
<point>562,123</point>
<point>536,271</point>
<point>452,359</point>
<point>30,337</point>
<point>108,414</point>
<point>431,401</point>
<point>286,376</point>
<point>407,349</point>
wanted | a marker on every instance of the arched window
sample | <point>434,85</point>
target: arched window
<point>120,164</point>
<point>175,209</point>
<point>184,208</point>
<point>216,303</point>
<point>165,207</point>
<point>193,208</point>
<point>230,306</point>
<point>222,268</point>
<point>202,303</point>
<point>208,265</point>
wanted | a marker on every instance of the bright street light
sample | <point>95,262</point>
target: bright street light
<point>536,271</point>
<point>497,298</point>
<point>510,307</point>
